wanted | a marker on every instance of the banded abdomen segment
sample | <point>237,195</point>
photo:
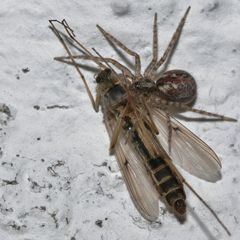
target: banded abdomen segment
<point>168,185</point>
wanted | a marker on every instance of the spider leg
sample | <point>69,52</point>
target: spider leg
<point>183,106</point>
<point>210,114</point>
<point>172,44</point>
<point>113,40</point>
<point>155,48</point>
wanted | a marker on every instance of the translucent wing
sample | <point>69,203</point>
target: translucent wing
<point>187,150</point>
<point>139,183</point>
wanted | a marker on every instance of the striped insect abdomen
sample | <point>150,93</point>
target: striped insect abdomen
<point>169,187</point>
<point>167,184</point>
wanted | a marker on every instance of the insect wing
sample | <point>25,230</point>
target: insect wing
<point>138,181</point>
<point>187,150</point>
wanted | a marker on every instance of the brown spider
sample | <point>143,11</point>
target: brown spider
<point>138,109</point>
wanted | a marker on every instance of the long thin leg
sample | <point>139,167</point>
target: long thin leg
<point>118,65</point>
<point>169,132</point>
<point>149,114</point>
<point>155,47</point>
<point>122,46</point>
<point>72,36</point>
<point>145,135</point>
<point>172,43</point>
<point>182,179</point>
<point>187,108</point>
<point>74,62</point>
<point>101,57</point>
<point>207,206</point>
<point>117,128</point>
<point>210,114</point>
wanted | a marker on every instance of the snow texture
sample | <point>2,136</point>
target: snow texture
<point>57,179</point>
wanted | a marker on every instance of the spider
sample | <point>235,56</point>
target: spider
<point>176,89</point>
<point>143,107</point>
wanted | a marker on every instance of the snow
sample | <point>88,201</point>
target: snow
<point>57,179</point>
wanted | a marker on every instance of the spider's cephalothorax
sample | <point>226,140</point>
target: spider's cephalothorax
<point>144,86</point>
<point>177,86</point>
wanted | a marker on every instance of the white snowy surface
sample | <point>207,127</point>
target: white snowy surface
<point>65,179</point>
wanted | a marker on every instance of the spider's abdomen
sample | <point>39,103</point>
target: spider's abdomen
<point>177,86</point>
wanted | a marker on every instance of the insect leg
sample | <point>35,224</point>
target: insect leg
<point>207,206</point>
<point>73,62</point>
<point>172,44</point>
<point>155,48</point>
<point>113,40</point>
<point>169,131</point>
<point>117,127</point>
<point>151,122</point>
<point>73,38</point>
<point>146,136</point>
<point>115,63</point>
